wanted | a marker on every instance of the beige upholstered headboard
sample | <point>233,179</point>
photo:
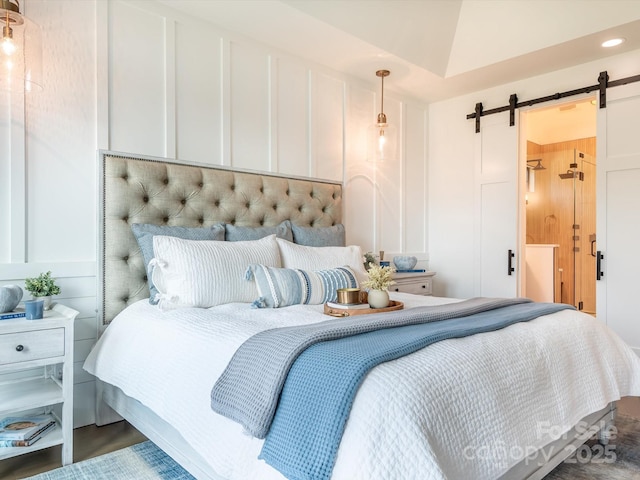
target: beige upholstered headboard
<point>135,189</point>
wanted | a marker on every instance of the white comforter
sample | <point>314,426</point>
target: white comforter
<point>458,409</point>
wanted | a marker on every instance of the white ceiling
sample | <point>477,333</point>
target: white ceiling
<point>435,49</point>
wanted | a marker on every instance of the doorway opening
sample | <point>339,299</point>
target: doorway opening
<point>560,210</point>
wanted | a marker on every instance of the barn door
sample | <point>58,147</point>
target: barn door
<point>496,203</point>
<point>618,212</point>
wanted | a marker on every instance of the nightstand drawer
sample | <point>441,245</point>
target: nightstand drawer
<point>417,288</point>
<point>32,345</point>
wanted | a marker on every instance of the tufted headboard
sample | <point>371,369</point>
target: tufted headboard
<point>136,189</point>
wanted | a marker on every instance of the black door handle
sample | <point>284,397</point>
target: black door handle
<point>599,258</point>
<point>510,257</point>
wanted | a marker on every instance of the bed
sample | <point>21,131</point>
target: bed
<point>506,404</point>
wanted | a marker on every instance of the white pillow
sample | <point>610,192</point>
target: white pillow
<point>322,258</point>
<point>202,273</point>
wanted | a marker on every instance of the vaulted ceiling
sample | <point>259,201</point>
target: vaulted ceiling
<point>435,49</point>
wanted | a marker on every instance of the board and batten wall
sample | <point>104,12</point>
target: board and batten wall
<point>181,88</point>
<point>138,77</point>
<point>48,191</point>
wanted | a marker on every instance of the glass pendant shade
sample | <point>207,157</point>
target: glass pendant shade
<point>20,50</point>
<point>382,143</point>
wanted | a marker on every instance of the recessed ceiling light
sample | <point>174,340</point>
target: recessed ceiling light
<point>614,42</point>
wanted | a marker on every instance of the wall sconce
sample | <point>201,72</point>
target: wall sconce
<point>382,136</point>
<point>20,50</point>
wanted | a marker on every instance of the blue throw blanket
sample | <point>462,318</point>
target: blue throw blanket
<point>319,390</point>
<point>249,388</point>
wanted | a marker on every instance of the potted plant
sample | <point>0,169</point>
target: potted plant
<point>369,258</point>
<point>379,279</point>
<point>42,286</point>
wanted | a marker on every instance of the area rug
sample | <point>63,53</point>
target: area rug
<point>620,460</point>
<point>145,461</point>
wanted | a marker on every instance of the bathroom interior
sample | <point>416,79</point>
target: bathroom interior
<point>560,204</point>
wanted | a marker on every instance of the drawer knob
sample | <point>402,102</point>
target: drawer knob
<point>397,289</point>
<point>424,286</point>
<point>19,348</point>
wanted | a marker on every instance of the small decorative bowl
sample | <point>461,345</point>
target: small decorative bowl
<point>405,262</point>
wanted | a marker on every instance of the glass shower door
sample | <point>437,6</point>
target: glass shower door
<point>585,234</point>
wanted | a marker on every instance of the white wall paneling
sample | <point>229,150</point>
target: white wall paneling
<point>60,136</point>
<point>386,206</point>
<point>415,181</point>
<point>243,104</point>
<point>12,178</point>
<point>328,113</point>
<point>250,107</point>
<point>389,185</point>
<point>359,175</point>
<point>5,178</point>
<point>291,122</point>
<point>198,60</point>
<point>17,177</point>
<point>137,83</point>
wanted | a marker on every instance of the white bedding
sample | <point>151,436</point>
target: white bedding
<point>462,408</point>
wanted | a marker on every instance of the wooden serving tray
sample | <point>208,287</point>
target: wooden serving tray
<point>348,312</point>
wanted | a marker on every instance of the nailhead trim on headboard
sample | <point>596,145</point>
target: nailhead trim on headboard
<point>138,189</point>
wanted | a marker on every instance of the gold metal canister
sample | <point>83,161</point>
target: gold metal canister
<point>348,295</point>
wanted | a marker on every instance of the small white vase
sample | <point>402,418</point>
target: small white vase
<point>378,298</point>
<point>47,302</point>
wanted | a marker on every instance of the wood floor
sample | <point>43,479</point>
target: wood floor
<point>88,442</point>
<point>92,441</point>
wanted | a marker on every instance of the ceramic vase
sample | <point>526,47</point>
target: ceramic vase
<point>378,298</point>
<point>405,262</point>
<point>10,296</point>
<point>34,308</point>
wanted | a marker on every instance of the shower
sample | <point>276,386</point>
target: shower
<point>537,166</point>
<point>560,214</point>
<point>572,173</point>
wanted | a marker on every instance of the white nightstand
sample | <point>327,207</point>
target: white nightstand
<point>418,283</point>
<point>36,375</point>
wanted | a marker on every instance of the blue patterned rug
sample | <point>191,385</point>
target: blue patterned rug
<point>143,461</point>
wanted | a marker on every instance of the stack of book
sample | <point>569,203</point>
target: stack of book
<point>17,313</point>
<point>24,431</point>
<point>350,306</point>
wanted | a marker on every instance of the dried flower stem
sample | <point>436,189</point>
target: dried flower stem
<point>379,278</point>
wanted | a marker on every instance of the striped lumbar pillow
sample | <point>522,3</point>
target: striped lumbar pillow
<point>281,287</point>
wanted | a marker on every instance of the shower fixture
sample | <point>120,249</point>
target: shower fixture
<point>537,166</point>
<point>572,173</point>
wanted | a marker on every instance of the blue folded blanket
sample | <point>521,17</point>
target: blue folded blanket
<point>248,390</point>
<point>319,390</point>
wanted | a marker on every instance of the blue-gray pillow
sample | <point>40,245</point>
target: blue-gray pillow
<point>319,236</point>
<point>242,234</point>
<point>281,287</point>
<point>144,233</point>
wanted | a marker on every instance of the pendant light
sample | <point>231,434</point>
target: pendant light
<point>20,50</point>
<point>382,136</point>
